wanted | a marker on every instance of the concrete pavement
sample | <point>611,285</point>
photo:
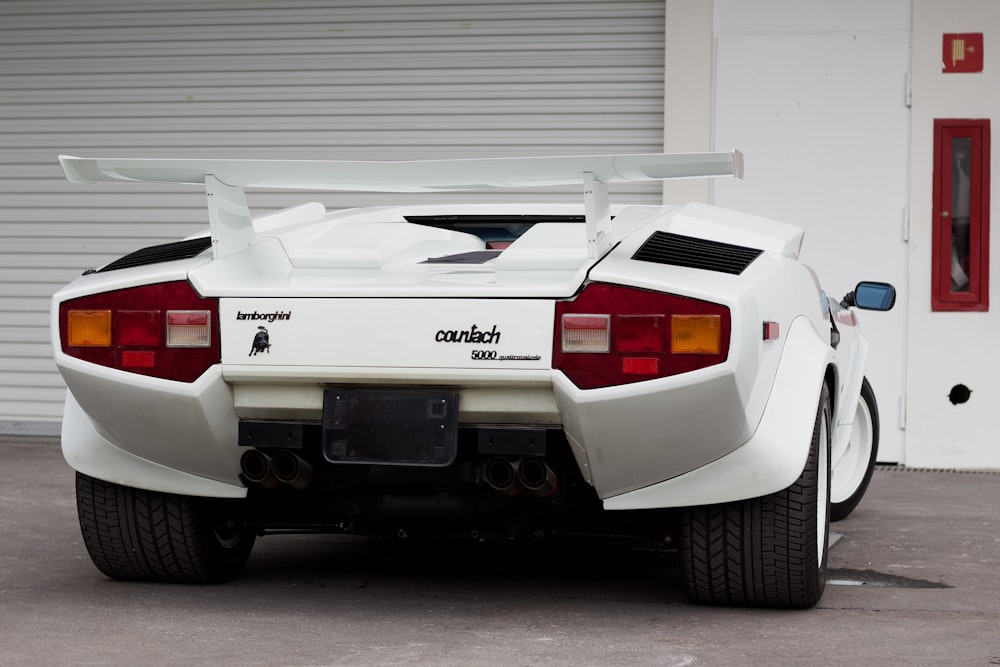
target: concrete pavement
<point>914,580</point>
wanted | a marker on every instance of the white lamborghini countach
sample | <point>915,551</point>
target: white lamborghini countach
<point>674,375</point>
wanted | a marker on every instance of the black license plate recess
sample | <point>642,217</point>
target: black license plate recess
<point>408,427</point>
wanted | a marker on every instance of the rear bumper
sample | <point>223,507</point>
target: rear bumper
<point>137,431</point>
<point>152,434</point>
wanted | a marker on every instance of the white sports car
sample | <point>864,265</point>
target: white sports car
<point>675,375</point>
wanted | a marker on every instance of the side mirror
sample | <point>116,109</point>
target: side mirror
<point>872,296</point>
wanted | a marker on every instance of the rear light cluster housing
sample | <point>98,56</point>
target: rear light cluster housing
<point>612,335</point>
<point>164,330</point>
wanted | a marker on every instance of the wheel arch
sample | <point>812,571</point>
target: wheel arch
<point>832,380</point>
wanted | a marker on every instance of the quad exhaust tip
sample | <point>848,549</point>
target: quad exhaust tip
<point>283,467</point>
<point>501,474</point>
<point>536,476</point>
<point>256,469</point>
<point>291,469</point>
<point>510,477</point>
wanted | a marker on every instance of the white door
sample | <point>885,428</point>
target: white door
<point>823,122</point>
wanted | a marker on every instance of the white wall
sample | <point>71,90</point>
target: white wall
<point>945,348</point>
<point>813,92</point>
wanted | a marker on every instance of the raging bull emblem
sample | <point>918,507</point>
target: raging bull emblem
<point>261,342</point>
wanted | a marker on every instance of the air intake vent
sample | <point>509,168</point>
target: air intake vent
<point>676,250</point>
<point>166,252</point>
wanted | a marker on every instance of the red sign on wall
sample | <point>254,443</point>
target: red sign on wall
<point>963,52</point>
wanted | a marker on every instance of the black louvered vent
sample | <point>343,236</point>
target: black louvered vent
<point>677,250</point>
<point>166,252</point>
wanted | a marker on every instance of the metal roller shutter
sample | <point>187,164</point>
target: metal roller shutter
<point>309,79</point>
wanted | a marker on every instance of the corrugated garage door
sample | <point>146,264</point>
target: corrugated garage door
<point>302,80</point>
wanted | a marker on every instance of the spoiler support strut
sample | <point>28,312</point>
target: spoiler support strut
<point>598,215</point>
<point>228,218</point>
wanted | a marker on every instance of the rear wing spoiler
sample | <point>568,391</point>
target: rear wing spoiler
<point>229,215</point>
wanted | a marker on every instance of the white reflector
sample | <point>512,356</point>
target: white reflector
<point>586,333</point>
<point>189,328</point>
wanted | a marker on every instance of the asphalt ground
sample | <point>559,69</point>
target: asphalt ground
<point>914,580</point>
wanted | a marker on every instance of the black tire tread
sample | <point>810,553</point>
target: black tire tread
<point>758,552</point>
<point>138,535</point>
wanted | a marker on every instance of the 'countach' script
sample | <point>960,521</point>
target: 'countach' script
<point>471,335</point>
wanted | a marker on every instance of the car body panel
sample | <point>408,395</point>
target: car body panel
<point>397,333</point>
<point>772,458</point>
<point>87,451</point>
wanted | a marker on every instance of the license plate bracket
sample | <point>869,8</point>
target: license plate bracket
<point>402,427</point>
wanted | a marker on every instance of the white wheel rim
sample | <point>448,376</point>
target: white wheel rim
<point>822,490</point>
<point>849,471</point>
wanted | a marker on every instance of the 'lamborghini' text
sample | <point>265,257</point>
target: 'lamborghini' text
<point>265,317</point>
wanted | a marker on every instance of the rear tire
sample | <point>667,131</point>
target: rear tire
<point>852,473</point>
<point>769,551</point>
<point>138,535</point>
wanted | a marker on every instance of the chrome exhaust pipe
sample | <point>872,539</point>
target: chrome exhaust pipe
<point>256,469</point>
<point>501,474</point>
<point>291,469</point>
<point>536,476</point>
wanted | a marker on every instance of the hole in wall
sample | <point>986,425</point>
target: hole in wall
<point>959,394</point>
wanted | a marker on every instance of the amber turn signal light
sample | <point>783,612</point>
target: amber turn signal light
<point>695,334</point>
<point>89,328</point>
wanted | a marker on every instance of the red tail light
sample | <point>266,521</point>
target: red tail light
<point>165,330</point>
<point>139,328</point>
<point>611,335</point>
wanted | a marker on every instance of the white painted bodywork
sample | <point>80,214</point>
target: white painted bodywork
<point>365,308</point>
